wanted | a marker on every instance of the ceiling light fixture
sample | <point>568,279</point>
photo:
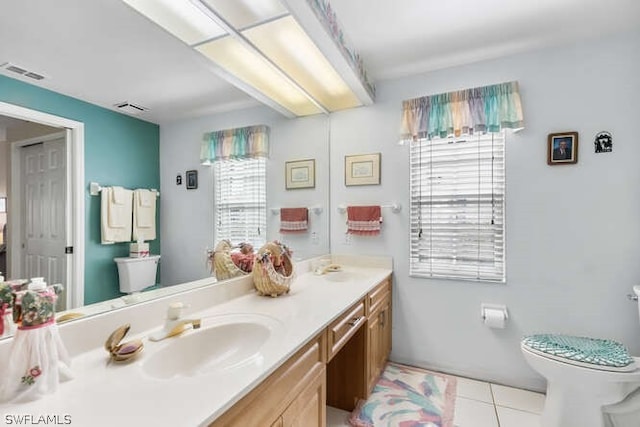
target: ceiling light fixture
<point>262,47</point>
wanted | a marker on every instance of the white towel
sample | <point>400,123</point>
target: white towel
<point>119,195</point>
<point>120,215</point>
<point>146,197</point>
<point>119,208</point>
<point>144,215</point>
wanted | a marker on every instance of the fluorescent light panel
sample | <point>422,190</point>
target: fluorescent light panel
<point>245,13</point>
<point>267,25</point>
<point>179,17</point>
<point>286,44</point>
<point>251,68</point>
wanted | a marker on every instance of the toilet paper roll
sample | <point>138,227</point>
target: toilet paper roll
<point>494,318</point>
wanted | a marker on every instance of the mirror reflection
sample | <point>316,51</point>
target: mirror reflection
<point>191,222</point>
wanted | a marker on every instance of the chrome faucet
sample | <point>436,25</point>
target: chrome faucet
<point>174,325</point>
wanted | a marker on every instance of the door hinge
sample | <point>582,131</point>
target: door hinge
<point>68,249</point>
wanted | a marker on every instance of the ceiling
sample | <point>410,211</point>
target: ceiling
<point>104,52</point>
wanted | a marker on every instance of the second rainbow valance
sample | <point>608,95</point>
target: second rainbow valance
<point>238,143</point>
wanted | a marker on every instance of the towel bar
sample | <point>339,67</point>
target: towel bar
<point>95,189</point>
<point>395,207</point>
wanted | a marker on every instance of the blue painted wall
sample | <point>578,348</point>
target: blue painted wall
<point>119,150</point>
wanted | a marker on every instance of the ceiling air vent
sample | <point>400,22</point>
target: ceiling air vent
<point>22,71</point>
<point>127,107</point>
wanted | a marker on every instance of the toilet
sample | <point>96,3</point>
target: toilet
<point>135,274</point>
<point>590,382</point>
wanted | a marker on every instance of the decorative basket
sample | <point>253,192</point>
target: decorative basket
<point>221,263</point>
<point>273,269</point>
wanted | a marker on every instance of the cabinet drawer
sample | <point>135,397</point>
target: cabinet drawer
<point>344,327</point>
<point>265,404</point>
<point>377,295</point>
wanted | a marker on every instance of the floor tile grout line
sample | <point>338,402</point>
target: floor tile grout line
<point>495,407</point>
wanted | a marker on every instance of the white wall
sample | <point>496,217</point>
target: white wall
<point>186,216</point>
<point>573,231</point>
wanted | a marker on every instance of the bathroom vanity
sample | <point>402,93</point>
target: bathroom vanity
<point>338,367</point>
<point>255,361</point>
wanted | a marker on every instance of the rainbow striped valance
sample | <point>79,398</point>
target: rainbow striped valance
<point>481,109</point>
<point>238,143</point>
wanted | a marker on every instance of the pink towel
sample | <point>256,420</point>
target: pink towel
<point>364,220</point>
<point>294,220</point>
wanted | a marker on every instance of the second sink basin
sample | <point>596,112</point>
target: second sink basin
<point>225,342</point>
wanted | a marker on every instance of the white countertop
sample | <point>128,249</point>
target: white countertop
<point>105,394</point>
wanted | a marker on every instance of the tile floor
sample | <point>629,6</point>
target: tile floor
<point>481,404</point>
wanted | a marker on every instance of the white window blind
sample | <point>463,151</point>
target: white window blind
<point>457,208</point>
<point>241,200</point>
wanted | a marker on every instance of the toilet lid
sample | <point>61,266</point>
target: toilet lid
<point>593,353</point>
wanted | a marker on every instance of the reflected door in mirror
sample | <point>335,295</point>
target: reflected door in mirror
<point>43,181</point>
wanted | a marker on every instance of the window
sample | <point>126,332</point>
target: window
<point>241,200</point>
<point>457,208</point>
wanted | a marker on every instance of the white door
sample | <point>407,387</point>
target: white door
<point>44,213</point>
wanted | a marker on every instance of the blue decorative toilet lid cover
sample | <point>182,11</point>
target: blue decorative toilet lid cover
<point>593,353</point>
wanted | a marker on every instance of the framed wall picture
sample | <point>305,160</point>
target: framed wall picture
<point>300,174</point>
<point>562,148</point>
<point>362,169</point>
<point>3,204</point>
<point>192,179</point>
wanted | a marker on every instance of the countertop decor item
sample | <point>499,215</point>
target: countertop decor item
<point>121,352</point>
<point>273,269</point>
<point>38,358</point>
<point>222,264</point>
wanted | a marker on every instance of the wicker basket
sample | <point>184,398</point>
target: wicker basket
<point>221,263</point>
<point>273,270</point>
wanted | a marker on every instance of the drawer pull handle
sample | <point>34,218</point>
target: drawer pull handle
<point>355,320</point>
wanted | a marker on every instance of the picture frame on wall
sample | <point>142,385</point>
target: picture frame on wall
<point>362,169</point>
<point>3,204</point>
<point>300,174</point>
<point>192,179</point>
<point>562,148</point>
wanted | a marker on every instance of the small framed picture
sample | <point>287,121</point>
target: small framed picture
<point>300,174</point>
<point>362,169</point>
<point>192,179</point>
<point>3,204</point>
<point>562,148</point>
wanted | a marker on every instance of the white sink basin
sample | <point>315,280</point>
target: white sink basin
<point>223,343</point>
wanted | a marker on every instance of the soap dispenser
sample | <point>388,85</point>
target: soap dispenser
<point>38,358</point>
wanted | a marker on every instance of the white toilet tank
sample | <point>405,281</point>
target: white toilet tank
<point>135,274</point>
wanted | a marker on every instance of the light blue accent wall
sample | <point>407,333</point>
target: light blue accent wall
<point>119,150</point>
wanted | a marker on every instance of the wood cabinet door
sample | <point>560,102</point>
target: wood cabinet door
<point>374,346</point>
<point>309,408</point>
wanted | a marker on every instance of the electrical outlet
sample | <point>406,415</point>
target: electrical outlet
<point>179,179</point>
<point>347,239</point>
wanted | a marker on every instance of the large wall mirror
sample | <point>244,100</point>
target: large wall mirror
<point>119,150</point>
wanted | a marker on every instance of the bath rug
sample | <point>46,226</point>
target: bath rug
<point>405,396</point>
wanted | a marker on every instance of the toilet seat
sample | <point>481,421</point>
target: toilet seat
<point>592,353</point>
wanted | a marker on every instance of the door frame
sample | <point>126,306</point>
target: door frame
<point>75,226</point>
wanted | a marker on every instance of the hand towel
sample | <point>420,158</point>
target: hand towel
<point>144,214</point>
<point>119,207</point>
<point>146,197</point>
<point>119,195</point>
<point>294,220</point>
<point>119,214</point>
<point>364,220</point>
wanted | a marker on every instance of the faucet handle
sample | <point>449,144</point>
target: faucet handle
<point>175,310</point>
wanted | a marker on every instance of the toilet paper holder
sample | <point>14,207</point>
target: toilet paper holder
<point>499,307</point>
